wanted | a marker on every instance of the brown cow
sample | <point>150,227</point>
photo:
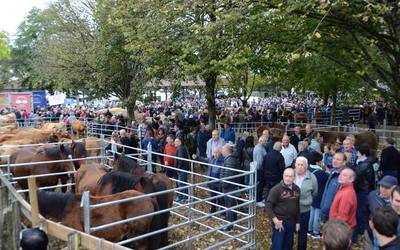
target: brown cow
<point>78,127</point>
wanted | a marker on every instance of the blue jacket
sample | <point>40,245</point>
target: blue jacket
<point>331,187</point>
<point>228,135</point>
<point>215,172</point>
<point>153,141</point>
<point>269,146</point>
<point>322,177</point>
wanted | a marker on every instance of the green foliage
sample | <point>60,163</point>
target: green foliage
<point>4,46</point>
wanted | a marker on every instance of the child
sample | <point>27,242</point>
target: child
<point>328,155</point>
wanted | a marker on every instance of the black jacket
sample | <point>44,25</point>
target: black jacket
<point>182,152</point>
<point>273,166</point>
<point>390,159</point>
<point>294,140</point>
<point>365,176</point>
<point>230,162</point>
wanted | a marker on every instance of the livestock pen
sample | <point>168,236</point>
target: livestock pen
<point>191,225</point>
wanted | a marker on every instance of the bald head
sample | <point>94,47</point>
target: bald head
<point>288,176</point>
<point>347,176</point>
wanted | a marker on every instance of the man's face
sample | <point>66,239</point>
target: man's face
<point>215,135</point>
<point>308,129</point>
<point>385,191</point>
<point>297,130</point>
<point>177,143</point>
<point>301,167</point>
<point>288,177</point>
<point>347,145</point>
<point>338,161</point>
<point>346,176</point>
<point>285,141</point>
<point>395,202</point>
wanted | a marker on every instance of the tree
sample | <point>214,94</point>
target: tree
<point>4,46</point>
<point>366,35</point>
<point>5,68</point>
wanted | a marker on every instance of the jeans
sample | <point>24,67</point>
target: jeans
<point>283,240</point>
<point>361,216</point>
<point>302,239</point>
<point>182,177</point>
<point>230,202</point>
<point>260,185</point>
<point>315,217</point>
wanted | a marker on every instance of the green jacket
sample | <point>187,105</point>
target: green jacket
<point>308,190</point>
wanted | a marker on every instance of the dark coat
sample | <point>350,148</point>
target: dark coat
<point>273,166</point>
<point>182,152</point>
<point>365,176</point>
<point>390,159</point>
<point>230,162</point>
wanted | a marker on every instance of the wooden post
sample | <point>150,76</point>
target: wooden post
<point>33,200</point>
<point>74,241</point>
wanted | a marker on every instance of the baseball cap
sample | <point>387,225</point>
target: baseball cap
<point>388,181</point>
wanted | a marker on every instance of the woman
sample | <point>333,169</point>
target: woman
<point>170,149</point>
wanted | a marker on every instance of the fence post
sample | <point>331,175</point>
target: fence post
<point>102,149</point>
<point>33,201</point>
<point>252,198</point>
<point>190,193</point>
<point>149,159</point>
<point>74,241</point>
<point>9,168</point>
<point>85,203</point>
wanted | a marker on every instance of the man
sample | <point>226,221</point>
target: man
<point>364,183</point>
<point>344,206</point>
<point>349,149</point>
<point>283,207</point>
<point>309,131</point>
<point>269,145</point>
<point>231,162</point>
<point>308,185</point>
<point>288,151</point>
<point>273,167</point>
<point>336,235</point>
<point>181,152</point>
<point>128,140</point>
<point>395,203</point>
<point>203,135</point>
<point>376,200</point>
<point>259,153</point>
<point>390,159</point>
<point>332,184</point>
<point>303,151</point>
<point>228,134</point>
<point>214,142</point>
<point>384,223</point>
<point>296,137</point>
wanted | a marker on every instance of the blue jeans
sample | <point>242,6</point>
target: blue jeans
<point>361,216</point>
<point>315,217</point>
<point>302,239</point>
<point>182,177</point>
<point>283,240</point>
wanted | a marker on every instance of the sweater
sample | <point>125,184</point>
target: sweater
<point>169,149</point>
<point>284,203</point>
<point>344,206</point>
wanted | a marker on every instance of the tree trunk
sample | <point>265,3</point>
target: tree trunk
<point>211,81</point>
<point>130,107</point>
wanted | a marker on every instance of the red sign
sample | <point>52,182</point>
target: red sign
<point>22,101</point>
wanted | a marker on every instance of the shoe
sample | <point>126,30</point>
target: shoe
<point>260,204</point>
<point>316,236</point>
<point>309,233</point>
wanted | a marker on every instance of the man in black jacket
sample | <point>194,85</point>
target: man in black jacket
<point>273,167</point>
<point>296,137</point>
<point>390,159</point>
<point>283,207</point>
<point>181,152</point>
<point>364,183</point>
<point>230,164</point>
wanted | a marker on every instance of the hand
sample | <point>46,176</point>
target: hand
<point>278,224</point>
<point>297,227</point>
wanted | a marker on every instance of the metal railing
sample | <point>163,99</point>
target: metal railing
<point>186,216</point>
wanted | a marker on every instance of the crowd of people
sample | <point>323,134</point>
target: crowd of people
<point>301,182</point>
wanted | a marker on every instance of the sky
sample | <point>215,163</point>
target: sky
<point>12,13</point>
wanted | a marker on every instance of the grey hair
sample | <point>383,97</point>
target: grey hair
<point>277,146</point>
<point>302,144</point>
<point>302,158</point>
